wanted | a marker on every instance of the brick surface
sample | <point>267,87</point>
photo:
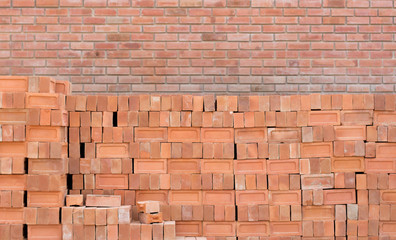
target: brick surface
<point>300,166</point>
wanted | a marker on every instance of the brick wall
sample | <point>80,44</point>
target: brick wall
<point>297,167</point>
<point>234,46</point>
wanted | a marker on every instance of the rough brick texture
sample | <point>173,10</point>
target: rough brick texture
<point>226,167</point>
<point>196,46</point>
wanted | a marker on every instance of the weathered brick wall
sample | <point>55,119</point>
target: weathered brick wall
<point>297,167</point>
<point>234,46</point>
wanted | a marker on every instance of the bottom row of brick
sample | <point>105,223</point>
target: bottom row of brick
<point>166,230</point>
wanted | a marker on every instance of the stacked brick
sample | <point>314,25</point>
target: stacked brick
<point>33,155</point>
<point>102,217</point>
<point>248,167</point>
<point>46,138</point>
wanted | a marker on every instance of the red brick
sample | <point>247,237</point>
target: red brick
<point>218,198</point>
<point>13,149</point>
<point>345,133</point>
<point>45,199</point>
<point>250,135</point>
<point>284,135</point>
<point>347,164</point>
<point>13,116</point>
<point>14,84</point>
<point>309,150</point>
<point>318,212</point>
<point>12,215</point>
<point>150,166</point>
<point>217,166</point>
<point>188,228</point>
<point>13,182</point>
<point>107,150</point>
<point>183,166</point>
<point>342,196</point>
<point>74,200</point>
<point>161,196</point>
<point>384,118</point>
<point>250,229</point>
<point>250,166</point>
<point>102,201</point>
<point>45,134</point>
<point>111,181</point>
<point>185,197</point>
<point>251,197</point>
<point>351,118</point>
<point>285,197</point>
<point>385,150</point>
<point>219,229</point>
<point>317,118</point>
<point>225,135</point>
<point>151,134</point>
<point>317,181</point>
<point>286,228</point>
<point>184,135</point>
<point>44,100</point>
<point>45,231</point>
<point>283,166</point>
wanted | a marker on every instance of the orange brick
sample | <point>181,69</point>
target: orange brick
<point>250,166</point>
<point>217,166</point>
<point>218,197</point>
<point>285,197</point>
<point>45,231</point>
<point>286,228</point>
<point>120,150</point>
<point>309,150</point>
<point>111,181</point>
<point>251,197</point>
<point>45,199</point>
<point>282,166</point>
<point>345,133</point>
<point>217,135</point>
<point>250,135</point>
<point>150,166</point>
<point>151,134</point>
<point>14,84</point>
<point>342,196</point>
<point>102,201</point>
<point>250,229</point>
<point>184,135</point>
<point>183,166</point>
<point>219,229</point>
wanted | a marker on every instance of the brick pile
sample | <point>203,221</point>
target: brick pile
<point>33,153</point>
<point>226,167</point>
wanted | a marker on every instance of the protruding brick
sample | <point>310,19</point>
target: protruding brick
<point>103,200</point>
<point>341,196</point>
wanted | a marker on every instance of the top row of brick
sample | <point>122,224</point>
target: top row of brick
<point>17,84</point>
<point>185,3</point>
<point>207,103</point>
<point>210,103</point>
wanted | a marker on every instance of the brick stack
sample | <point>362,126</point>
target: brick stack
<point>46,138</point>
<point>33,153</point>
<point>13,120</point>
<point>102,217</point>
<point>310,167</point>
<point>99,141</point>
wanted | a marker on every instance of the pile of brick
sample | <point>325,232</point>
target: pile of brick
<point>247,167</point>
<point>33,155</point>
<point>102,217</point>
